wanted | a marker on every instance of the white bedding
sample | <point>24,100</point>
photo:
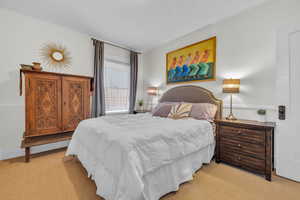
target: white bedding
<point>127,148</point>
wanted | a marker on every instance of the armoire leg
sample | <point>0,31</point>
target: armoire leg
<point>27,154</point>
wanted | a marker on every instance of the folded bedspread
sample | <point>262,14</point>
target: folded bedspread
<point>124,148</point>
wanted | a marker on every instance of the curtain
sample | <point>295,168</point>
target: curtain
<point>133,80</point>
<point>98,102</point>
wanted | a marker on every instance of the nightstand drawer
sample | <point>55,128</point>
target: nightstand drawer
<point>242,134</point>
<point>246,162</point>
<point>249,149</point>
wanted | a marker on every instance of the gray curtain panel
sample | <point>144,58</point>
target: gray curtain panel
<point>98,103</point>
<point>133,80</point>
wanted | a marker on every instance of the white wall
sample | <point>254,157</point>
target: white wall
<point>246,49</point>
<point>21,38</point>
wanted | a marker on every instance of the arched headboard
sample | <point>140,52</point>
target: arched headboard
<point>192,94</point>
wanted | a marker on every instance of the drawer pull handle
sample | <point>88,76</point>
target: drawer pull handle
<point>239,145</point>
<point>239,158</point>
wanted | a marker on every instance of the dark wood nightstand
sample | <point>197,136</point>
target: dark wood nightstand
<point>140,111</point>
<point>246,144</point>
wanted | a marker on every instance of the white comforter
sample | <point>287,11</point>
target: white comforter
<point>126,147</point>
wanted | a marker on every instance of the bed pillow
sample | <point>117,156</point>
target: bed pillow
<point>180,111</point>
<point>162,111</point>
<point>159,105</point>
<point>204,111</point>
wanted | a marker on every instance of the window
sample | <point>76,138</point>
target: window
<point>116,86</point>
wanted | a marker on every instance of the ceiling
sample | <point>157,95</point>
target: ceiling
<point>138,24</point>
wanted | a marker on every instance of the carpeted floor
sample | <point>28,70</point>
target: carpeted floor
<point>48,177</point>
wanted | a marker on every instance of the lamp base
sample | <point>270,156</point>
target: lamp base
<point>231,117</point>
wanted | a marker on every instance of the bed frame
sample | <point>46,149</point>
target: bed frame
<point>192,94</point>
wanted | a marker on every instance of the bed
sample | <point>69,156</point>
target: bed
<point>141,157</point>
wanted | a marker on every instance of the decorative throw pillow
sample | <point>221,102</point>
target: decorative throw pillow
<point>180,111</point>
<point>204,111</point>
<point>162,110</point>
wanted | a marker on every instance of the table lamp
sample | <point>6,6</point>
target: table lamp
<point>152,91</point>
<point>231,86</point>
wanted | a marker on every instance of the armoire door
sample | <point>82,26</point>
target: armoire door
<point>43,104</point>
<point>76,101</point>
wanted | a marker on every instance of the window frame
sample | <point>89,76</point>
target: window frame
<point>120,63</point>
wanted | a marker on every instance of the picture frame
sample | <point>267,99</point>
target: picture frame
<point>195,62</point>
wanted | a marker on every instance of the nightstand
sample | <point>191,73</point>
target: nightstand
<point>246,144</point>
<point>140,111</point>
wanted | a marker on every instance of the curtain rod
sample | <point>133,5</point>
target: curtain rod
<point>115,45</point>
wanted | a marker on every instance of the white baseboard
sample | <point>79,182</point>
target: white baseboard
<point>4,155</point>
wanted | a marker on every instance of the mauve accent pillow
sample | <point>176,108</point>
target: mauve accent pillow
<point>162,111</point>
<point>157,107</point>
<point>204,111</point>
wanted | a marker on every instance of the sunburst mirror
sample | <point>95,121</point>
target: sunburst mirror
<point>55,55</point>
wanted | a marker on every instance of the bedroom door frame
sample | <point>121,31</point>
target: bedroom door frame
<point>286,138</point>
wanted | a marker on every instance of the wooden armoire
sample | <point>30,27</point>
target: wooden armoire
<point>54,105</point>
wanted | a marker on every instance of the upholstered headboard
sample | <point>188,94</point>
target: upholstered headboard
<point>192,94</point>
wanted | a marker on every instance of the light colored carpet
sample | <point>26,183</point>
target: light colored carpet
<point>48,177</point>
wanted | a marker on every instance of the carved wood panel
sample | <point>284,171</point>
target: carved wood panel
<point>43,107</point>
<point>75,102</point>
<point>55,103</point>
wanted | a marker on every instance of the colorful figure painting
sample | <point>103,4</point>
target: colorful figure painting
<point>196,62</point>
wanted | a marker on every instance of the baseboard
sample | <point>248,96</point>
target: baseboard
<point>4,155</point>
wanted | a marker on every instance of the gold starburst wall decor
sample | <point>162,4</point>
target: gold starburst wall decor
<point>56,56</point>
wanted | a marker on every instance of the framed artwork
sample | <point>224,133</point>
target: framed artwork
<point>196,62</point>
